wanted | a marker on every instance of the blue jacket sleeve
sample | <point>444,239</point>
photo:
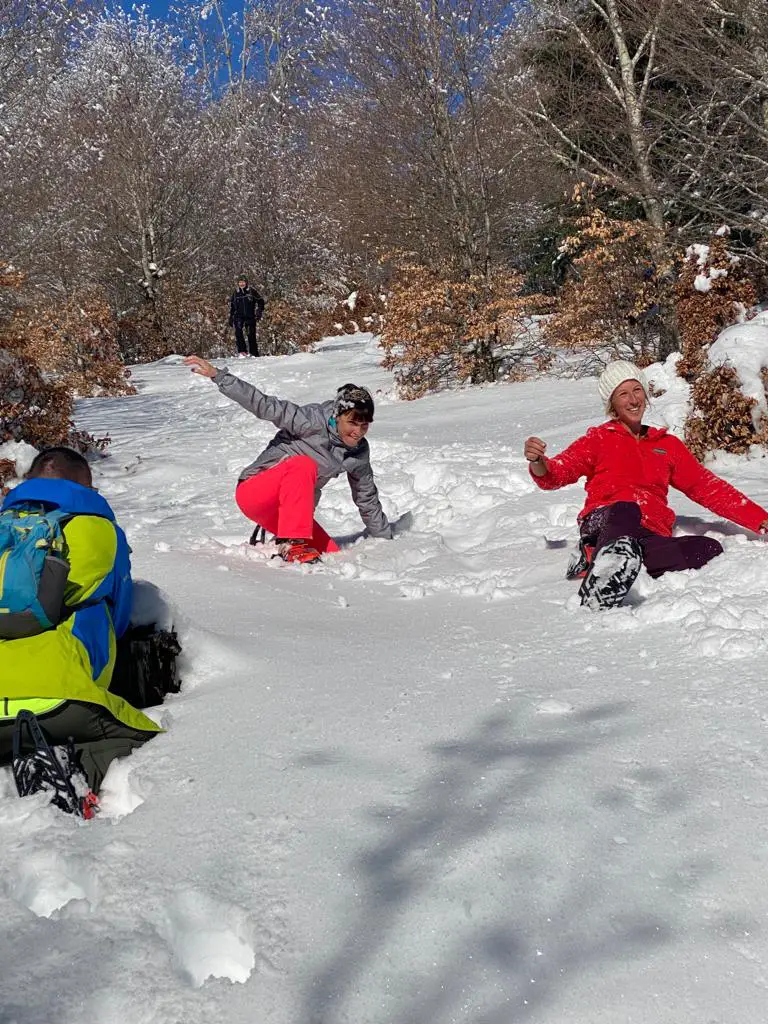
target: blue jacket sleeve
<point>122,587</point>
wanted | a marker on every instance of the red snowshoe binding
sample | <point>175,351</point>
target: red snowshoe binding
<point>297,551</point>
<point>580,561</point>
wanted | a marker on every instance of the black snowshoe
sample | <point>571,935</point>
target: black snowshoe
<point>38,766</point>
<point>614,570</point>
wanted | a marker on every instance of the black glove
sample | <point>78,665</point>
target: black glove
<point>402,525</point>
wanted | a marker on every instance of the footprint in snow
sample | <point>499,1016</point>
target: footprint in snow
<point>208,938</point>
<point>46,881</point>
<point>554,707</point>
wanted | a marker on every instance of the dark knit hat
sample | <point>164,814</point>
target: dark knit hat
<point>242,277</point>
<point>353,396</point>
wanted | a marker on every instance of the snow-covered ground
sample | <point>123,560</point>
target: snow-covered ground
<point>418,784</point>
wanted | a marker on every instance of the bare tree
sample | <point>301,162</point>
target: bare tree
<point>140,170</point>
<point>721,50</point>
<point>268,51</point>
<point>36,40</point>
<point>263,66</point>
<point>413,114</point>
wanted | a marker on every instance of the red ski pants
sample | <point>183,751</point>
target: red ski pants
<point>282,500</point>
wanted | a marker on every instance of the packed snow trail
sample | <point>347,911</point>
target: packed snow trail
<point>417,783</point>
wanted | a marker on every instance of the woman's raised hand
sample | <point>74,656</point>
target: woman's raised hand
<point>201,366</point>
<point>534,449</point>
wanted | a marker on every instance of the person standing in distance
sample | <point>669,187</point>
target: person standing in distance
<point>246,308</point>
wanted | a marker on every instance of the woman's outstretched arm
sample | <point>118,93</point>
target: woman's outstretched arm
<point>712,492</point>
<point>284,414</point>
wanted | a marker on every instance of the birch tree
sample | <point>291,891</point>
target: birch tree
<point>582,76</point>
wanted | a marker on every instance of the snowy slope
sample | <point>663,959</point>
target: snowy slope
<point>419,783</point>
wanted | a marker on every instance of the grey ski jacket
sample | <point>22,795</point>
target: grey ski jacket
<point>305,430</point>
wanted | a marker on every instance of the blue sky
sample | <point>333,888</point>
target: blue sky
<point>157,8</point>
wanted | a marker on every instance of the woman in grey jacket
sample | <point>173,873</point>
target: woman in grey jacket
<point>313,444</point>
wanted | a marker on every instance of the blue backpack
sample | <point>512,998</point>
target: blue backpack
<point>33,570</point>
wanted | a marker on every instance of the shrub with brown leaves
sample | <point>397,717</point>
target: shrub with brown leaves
<point>36,398</point>
<point>73,343</point>
<point>289,326</point>
<point>441,331</point>
<point>299,322</point>
<point>721,416</point>
<point>7,472</point>
<point>360,310</point>
<point>11,280</point>
<point>31,409</point>
<point>712,289</point>
<point>618,288</point>
<point>181,321</point>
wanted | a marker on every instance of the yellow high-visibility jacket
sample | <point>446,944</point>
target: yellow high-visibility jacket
<point>75,660</point>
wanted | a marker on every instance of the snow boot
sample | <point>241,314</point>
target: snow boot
<point>580,561</point>
<point>53,769</point>
<point>297,551</point>
<point>614,570</point>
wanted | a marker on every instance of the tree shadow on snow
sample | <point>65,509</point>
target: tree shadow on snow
<point>480,852</point>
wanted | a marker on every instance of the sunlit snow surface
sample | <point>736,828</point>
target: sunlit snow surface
<point>417,784</point>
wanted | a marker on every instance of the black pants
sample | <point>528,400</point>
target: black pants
<point>98,736</point>
<point>241,326</point>
<point>660,554</point>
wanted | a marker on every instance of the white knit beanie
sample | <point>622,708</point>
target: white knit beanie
<point>615,374</point>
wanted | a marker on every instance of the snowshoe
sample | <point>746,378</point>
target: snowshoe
<point>297,551</point>
<point>580,561</point>
<point>614,570</point>
<point>53,769</point>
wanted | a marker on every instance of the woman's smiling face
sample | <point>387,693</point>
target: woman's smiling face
<point>351,427</point>
<point>629,404</point>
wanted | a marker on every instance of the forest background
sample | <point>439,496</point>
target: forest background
<point>498,188</point>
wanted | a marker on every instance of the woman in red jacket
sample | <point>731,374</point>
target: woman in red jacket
<point>626,520</point>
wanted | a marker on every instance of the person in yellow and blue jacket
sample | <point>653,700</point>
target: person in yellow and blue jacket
<point>62,675</point>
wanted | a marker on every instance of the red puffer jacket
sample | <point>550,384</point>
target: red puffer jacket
<point>620,467</point>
